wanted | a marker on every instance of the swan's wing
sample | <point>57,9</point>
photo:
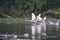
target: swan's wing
<point>33,16</point>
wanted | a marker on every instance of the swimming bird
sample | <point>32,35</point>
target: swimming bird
<point>33,17</point>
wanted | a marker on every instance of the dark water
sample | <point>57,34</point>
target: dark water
<point>11,28</point>
<point>20,29</point>
<point>52,32</point>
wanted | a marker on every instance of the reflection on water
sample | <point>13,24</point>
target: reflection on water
<point>37,31</point>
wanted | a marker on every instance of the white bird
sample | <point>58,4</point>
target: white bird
<point>39,17</point>
<point>44,19</point>
<point>36,18</point>
<point>33,17</point>
<point>52,23</point>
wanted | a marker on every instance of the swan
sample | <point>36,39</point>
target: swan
<point>39,17</point>
<point>52,23</point>
<point>36,18</point>
<point>57,24</point>
<point>44,19</point>
<point>33,18</point>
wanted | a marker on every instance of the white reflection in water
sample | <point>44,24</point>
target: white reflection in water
<point>38,28</point>
<point>33,31</point>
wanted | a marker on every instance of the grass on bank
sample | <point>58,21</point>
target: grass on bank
<point>19,21</point>
<point>14,20</point>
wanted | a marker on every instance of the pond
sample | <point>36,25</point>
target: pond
<point>52,33</point>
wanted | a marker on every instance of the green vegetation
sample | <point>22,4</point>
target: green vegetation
<point>24,8</point>
<point>55,11</point>
<point>14,20</point>
<point>18,8</point>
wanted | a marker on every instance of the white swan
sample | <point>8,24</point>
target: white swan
<point>44,19</point>
<point>52,23</point>
<point>36,18</point>
<point>57,24</point>
<point>33,18</point>
<point>39,17</point>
